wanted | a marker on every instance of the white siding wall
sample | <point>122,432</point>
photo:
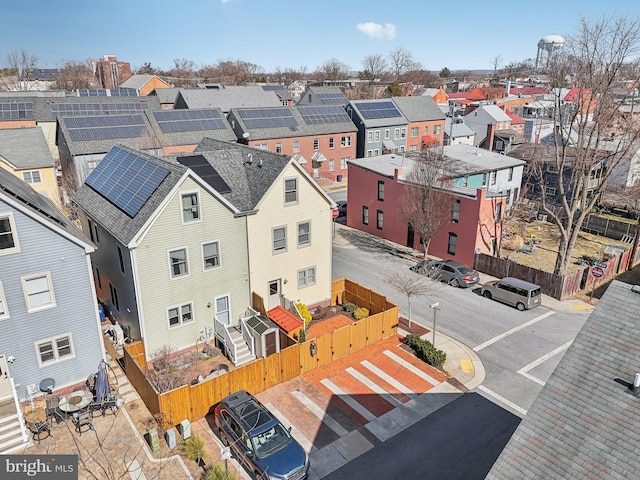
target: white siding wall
<point>158,291</point>
<point>267,266</point>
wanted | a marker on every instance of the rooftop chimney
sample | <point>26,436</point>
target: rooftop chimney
<point>491,131</point>
<point>396,173</point>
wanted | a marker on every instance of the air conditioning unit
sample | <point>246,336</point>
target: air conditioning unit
<point>542,217</point>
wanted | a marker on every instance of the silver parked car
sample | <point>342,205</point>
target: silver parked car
<point>454,273</point>
<point>513,291</point>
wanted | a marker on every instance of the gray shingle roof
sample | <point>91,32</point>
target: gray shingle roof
<point>39,206</point>
<point>25,148</point>
<point>192,137</point>
<point>227,98</point>
<point>43,111</point>
<point>114,220</point>
<point>166,95</point>
<point>376,122</point>
<point>418,109</point>
<point>137,81</point>
<point>585,423</point>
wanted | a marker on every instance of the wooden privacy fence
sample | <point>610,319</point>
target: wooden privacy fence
<point>193,402</point>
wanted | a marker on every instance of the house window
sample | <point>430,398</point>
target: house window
<point>484,179</point>
<point>190,207</point>
<point>451,245</point>
<point>54,349</point>
<point>331,164</point>
<point>465,181</point>
<point>279,147</point>
<point>365,215</point>
<point>549,191</point>
<point>290,190</point>
<point>376,152</point>
<point>346,141</point>
<point>396,134</point>
<point>493,177</point>
<point>331,143</point>
<point>403,133</point>
<point>436,129</point>
<point>369,136</point>
<point>8,237</point>
<point>508,197</point>
<point>379,218</point>
<point>498,213</point>
<point>306,277</point>
<point>113,292</point>
<point>91,230</point>
<point>304,234</point>
<point>380,190</point>
<point>32,176</point>
<point>180,314</point>
<point>296,146</point>
<point>499,145</point>
<point>94,232</point>
<point>211,255</point>
<point>426,129</point>
<point>38,292</point>
<point>4,310</point>
<point>91,165</point>
<point>552,168</point>
<point>120,259</point>
<point>316,144</point>
<point>343,163</point>
<point>178,262</point>
<point>510,177</point>
<point>387,134</point>
<point>223,309</point>
<point>455,211</point>
<point>415,131</point>
<point>262,146</point>
<point>376,136</point>
<point>413,148</point>
<point>369,153</point>
<point>279,236</point>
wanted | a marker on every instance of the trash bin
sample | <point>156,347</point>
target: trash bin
<point>339,178</point>
<point>152,439</point>
<point>184,427</point>
<point>170,438</point>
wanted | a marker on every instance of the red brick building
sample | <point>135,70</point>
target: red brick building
<point>110,73</point>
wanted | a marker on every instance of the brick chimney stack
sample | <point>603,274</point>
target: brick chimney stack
<point>491,131</point>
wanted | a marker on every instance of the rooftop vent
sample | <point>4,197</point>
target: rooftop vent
<point>635,289</point>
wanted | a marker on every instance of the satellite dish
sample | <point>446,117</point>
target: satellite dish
<point>245,135</point>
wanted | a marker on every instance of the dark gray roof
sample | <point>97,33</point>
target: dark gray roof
<point>249,177</point>
<point>137,81</point>
<point>310,96</point>
<point>114,220</point>
<point>457,129</point>
<point>376,122</point>
<point>43,110</point>
<point>419,109</point>
<point>25,148</point>
<point>303,129</point>
<point>227,98</point>
<point>585,423</point>
<point>192,137</point>
<point>166,95</point>
<point>38,206</point>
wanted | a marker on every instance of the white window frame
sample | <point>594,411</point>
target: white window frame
<point>205,268</point>
<point>180,314</point>
<point>396,134</point>
<point>52,299</point>
<point>273,240</point>
<point>436,129</point>
<point>331,164</point>
<point>365,215</point>
<point>288,190</point>
<point>227,311</point>
<point>379,219</point>
<point>346,141</point>
<point>29,176</point>
<point>191,208</point>
<point>278,147</point>
<point>387,134</point>
<point>316,144</point>
<point>4,308</point>
<point>376,135</point>
<point>171,264</point>
<point>55,349</point>
<point>413,148</point>
<point>296,146</point>
<point>415,132</point>
<point>426,129</point>
<point>370,136</point>
<point>307,277</point>
<point>343,163</point>
<point>369,153</point>
<point>332,142</point>
<point>403,132</point>
<point>549,191</point>
<point>14,234</point>
<point>304,243</point>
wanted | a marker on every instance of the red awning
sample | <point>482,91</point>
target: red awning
<point>429,140</point>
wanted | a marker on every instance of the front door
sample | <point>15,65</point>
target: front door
<point>5,379</point>
<point>274,294</point>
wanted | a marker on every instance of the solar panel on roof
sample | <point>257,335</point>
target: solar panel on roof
<point>201,166</point>
<point>270,88</point>
<point>315,115</point>
<point>17,111</point>
<point>268,117</point>
<point>332,98</point>
<point>91,109</point>
<point>105,127</point>
<point>124,92</point>
<point>92,92</point>
<point>378,110</point>
<point>171,121</point>
<point>126,179</point>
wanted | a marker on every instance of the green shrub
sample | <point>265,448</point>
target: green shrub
<point>304,311</point>
<point>360,313</point>
<point>350,307</point>
<point>303,336</point>
<point>425,350</point>
<point>193,449</point>
<point>217,473</point>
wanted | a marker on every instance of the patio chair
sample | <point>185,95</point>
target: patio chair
<point>52,401</point>
<point>83,421</point>
<point>38,429</point>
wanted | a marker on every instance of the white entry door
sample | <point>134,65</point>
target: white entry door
<point>274,294</point>
<point>223,310</point>
<point>5,378</point>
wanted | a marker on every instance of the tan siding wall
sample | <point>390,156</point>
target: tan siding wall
<point>47,187</point>
<point>267,266</point>
<point>200,287</point>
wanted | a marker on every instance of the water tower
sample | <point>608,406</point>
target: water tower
<point>548,44</point>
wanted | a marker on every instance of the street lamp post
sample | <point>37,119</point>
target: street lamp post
<point>434,307</point>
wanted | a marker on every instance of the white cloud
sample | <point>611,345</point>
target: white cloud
<point>375,30</point>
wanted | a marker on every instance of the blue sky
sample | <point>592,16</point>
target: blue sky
<point>290,34</point>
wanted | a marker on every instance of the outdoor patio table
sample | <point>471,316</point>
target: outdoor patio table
<point>75,401</point>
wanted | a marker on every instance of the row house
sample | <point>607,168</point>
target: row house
<point>426,122</point>
<point>483,184</point>
<point>323,95</point>
<point>322,138</point>
<point>204,235</point>
<point>144,84</point>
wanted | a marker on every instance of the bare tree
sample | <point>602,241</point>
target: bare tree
<point>585,151</point>
<point>231,72</point>
<point>427,202</point>
<point>333,70</point>
<point>374,67</point>
<point>73,75</point>
<point>22,64</point>
<point>496,62</point>
<point>409,284</point>
<point>401,61</point>
<point>183,73</point>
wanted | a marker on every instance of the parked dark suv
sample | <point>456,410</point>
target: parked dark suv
<point>259,441</point>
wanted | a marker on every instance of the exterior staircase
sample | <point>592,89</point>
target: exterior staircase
<point>12,436</point>
<point>244,354</point>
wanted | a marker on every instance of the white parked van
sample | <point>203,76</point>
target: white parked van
<point>513,291</point>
